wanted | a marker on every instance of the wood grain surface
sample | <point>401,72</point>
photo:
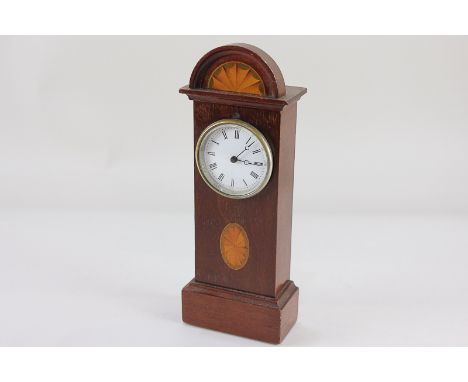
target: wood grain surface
<point>240,313</point>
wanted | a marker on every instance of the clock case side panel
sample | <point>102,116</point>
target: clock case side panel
<point>285,193</point>
<point>265,216</point>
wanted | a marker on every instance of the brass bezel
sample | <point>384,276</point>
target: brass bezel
<point>261,138</point>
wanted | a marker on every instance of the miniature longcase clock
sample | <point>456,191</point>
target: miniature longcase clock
<point>244,139</point>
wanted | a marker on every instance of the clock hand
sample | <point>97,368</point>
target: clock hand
<point>247,162</point>
<point>238,155</point>
<point>245,149</point>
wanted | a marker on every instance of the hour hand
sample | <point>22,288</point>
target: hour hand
<point>247,162</point>
<point>237,160</point>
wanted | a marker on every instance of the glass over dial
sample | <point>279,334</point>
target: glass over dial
<point>234,158</point>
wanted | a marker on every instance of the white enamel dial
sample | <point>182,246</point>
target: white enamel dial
<point>234,158</point>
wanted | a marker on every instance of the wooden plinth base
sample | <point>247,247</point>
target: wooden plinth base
<point>244,314</point>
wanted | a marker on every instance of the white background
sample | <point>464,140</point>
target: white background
<point>96,226</point>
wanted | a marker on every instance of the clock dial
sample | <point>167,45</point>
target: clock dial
<point>234,158</point>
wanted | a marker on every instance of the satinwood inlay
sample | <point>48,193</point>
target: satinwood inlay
<point>234,246</point>
<point>236,77</point>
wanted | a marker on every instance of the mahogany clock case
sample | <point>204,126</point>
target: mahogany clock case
<point>258,301</point>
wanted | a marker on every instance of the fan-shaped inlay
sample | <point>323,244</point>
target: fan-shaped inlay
<point>236,77</point>
<point>234,246</point>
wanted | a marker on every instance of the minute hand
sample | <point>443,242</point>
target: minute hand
<point>238,155</point>
<point>245,149</point>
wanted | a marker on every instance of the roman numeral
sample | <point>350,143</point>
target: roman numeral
<point>221,177</point>
<point>211,153</point>
<point>215,142</point>
<point>225,135</point>
<point>232,182</point>
<point>213,166</point>
<point>236,134</point>
<point>254,175</point>
<point>256,151</point>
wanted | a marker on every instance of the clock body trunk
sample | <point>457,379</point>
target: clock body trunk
<point>265,217</point>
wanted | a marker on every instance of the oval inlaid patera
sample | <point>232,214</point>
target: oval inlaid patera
<point>234,246</point>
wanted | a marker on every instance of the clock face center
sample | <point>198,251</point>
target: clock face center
<point>234,158</point>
